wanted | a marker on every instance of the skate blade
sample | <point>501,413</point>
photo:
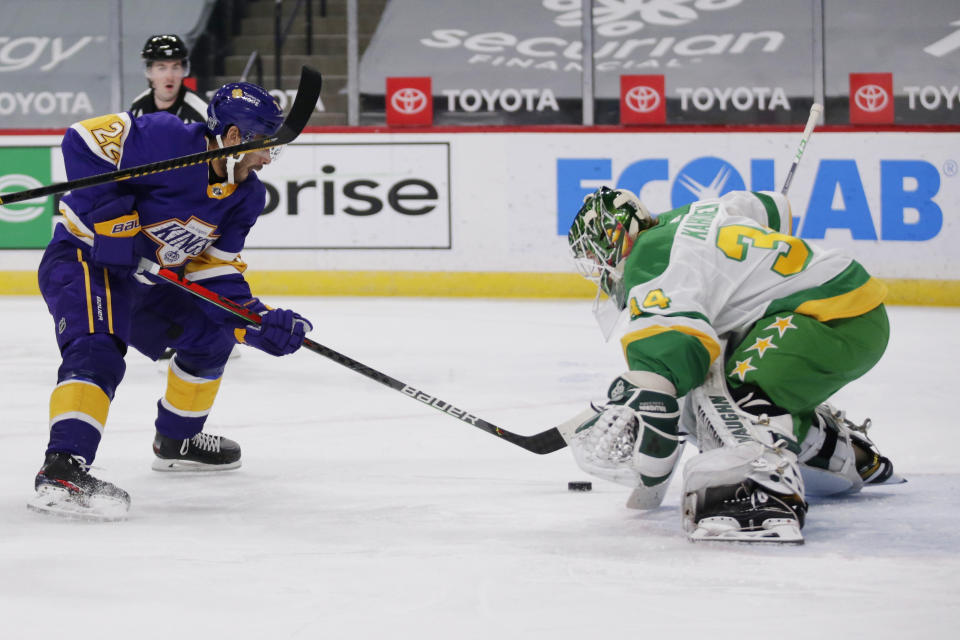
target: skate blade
<point>894,478</point>
<point>159,464</point>
<point>775,533</point>
<point>54,501</point>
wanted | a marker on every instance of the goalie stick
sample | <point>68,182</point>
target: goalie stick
<point>307,94</point>
<point>815,110</point>
<point>545,442</point>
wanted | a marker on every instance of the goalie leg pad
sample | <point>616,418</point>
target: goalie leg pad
<point>746,485</point>
<point>747,493</point>
<point>775,470</point>
<point>749,514</point>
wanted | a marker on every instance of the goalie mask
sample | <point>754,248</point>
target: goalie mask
<point>601,237</point>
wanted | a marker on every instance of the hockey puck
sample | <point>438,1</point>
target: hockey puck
<point>579,486</point>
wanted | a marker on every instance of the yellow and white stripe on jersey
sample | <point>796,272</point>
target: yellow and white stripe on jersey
<point>652,325</point>
<point>105,135</point>
<point>214,263</point>
<point>75,225</point>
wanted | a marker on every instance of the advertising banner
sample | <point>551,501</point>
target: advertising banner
<point>916,43</point>
<point>724,61</point>
<point>364,195</point>
<point>642,100</point>
<point>409,102</point>
<point>709,52</point>
<point>871,98</point>
<point>503,202</point>
<point>60,59</point>
<point>25,225</point>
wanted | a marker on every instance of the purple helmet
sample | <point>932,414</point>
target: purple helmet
<point>244,104</point>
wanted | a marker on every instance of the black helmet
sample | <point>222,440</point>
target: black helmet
<point>164,47</point>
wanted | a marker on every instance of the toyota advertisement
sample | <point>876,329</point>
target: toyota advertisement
<point>719,61</point>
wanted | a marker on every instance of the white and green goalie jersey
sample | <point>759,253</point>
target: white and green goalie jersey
<point>711,269</point>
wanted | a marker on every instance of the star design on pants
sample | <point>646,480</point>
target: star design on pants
<point>761,345</point>
<point>743,366</point>
<point>782,324</point>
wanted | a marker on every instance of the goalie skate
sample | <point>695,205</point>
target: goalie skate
<point>872,466</point>
<point>64,488</point>
<point>749,515</point>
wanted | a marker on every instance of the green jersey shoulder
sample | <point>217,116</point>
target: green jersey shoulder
<point>718,265</point>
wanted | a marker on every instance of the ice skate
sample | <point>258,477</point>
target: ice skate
<point>65,488</point>
<point>749,514</point>
<point>202,452</point>
<point>872,467</point>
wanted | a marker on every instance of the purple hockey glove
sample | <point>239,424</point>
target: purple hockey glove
<point>115,227</point>
<point>281,332</point>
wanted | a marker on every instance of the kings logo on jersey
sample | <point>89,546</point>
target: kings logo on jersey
<point>180,241</point>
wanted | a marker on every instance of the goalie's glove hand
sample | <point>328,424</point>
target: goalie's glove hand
<point>279,333</point>
<point>633,439</point>
<point>115,227</point>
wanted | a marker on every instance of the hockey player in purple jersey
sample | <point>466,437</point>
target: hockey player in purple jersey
<point>193,220</point>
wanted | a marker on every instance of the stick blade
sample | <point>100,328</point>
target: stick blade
<point>540,443</point>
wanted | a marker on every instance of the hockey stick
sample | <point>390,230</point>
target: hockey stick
<point>545,442</point>
<point>815,110</point>
<point>307,94</point>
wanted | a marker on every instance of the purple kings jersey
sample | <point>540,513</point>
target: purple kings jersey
<point>183,220</point>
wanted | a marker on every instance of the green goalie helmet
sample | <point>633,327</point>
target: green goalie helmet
<point>602,235</point>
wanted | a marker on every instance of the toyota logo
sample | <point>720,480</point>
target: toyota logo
<point>408,101</point>
<point>871,98</point>
<point>642,99</point>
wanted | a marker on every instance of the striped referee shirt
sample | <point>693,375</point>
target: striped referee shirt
<point>188,106</point>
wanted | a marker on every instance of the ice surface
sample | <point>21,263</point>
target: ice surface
<point>360,513</point>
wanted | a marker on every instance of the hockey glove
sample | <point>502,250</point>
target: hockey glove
<point>633,439</point>
<point>280,332</point>
<point>115,227</point>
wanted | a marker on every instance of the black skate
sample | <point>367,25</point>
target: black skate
<point>873,467</point>
<point>202,452</point>
<point>65,488</point>
<point>750,513</point>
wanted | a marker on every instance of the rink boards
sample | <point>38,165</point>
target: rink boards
<point>476,212</point>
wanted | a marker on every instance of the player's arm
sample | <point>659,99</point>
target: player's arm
<point>670,334</point>
<point>633,437</point>
<point>769,208</point>
<point>220,269</point>
<point>104,216</point>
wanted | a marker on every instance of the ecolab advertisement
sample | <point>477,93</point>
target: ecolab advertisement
<point>888,199</point>
<point>492,202</point>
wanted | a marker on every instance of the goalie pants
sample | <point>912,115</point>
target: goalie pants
<point>97,313</point>
<point>799,362</point>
